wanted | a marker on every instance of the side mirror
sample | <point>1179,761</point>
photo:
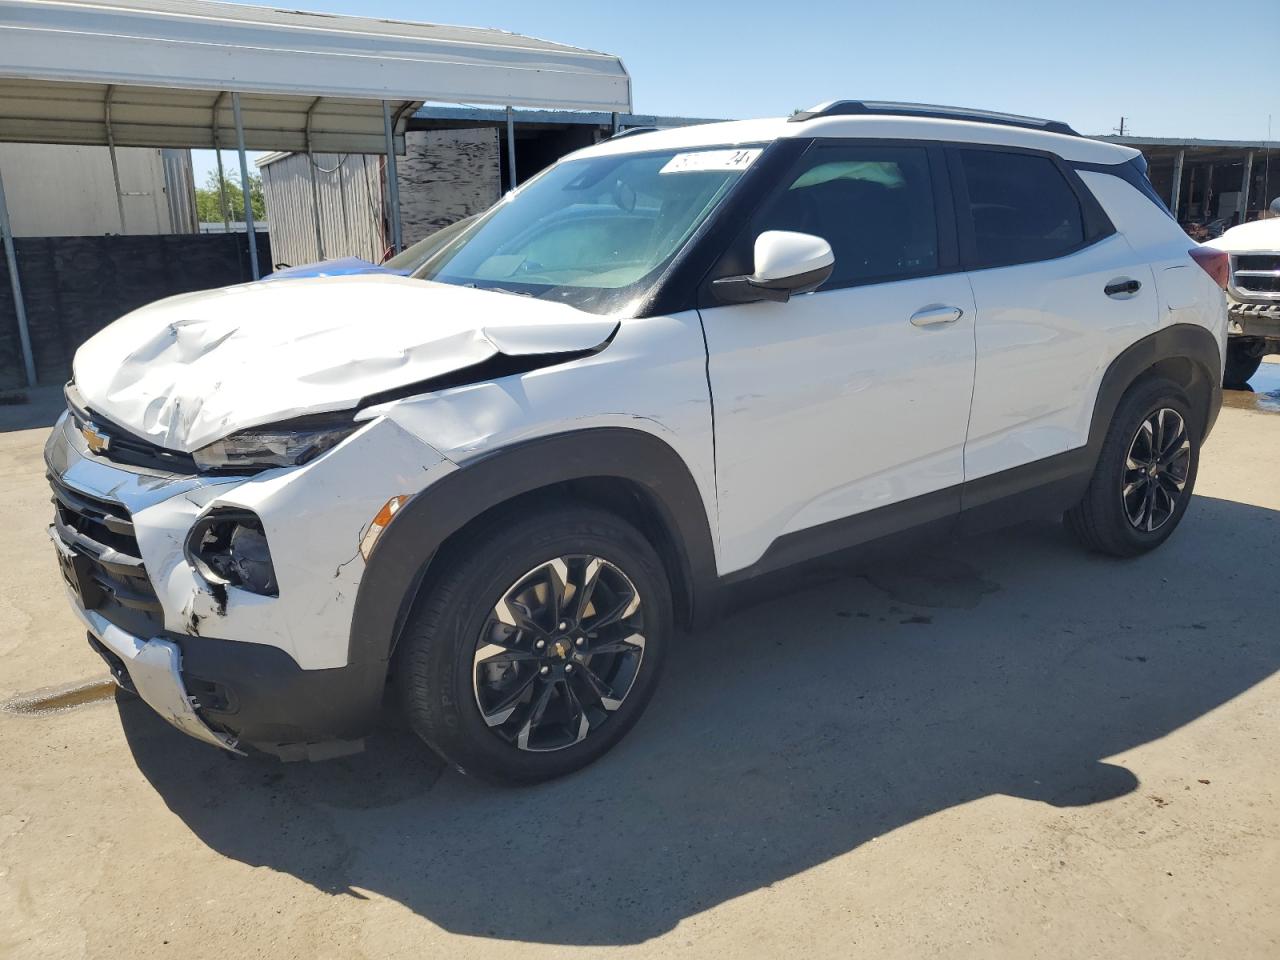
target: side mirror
<point>786,263</point>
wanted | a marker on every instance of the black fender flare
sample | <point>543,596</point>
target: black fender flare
<point>399,561</point>
<point>1180,341</point>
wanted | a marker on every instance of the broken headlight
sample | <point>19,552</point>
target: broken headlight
<point>228,547</point>
<point>277,444</point>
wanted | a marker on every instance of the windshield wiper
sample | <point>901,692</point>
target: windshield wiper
<point>499,289</point>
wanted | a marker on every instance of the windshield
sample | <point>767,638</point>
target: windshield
<point>594,233</point>
<point>414,256</point>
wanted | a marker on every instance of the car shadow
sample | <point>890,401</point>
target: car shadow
<point>792,733</point>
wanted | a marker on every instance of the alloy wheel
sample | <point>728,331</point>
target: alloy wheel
<point>1156,470</point>
<point>559,653</point>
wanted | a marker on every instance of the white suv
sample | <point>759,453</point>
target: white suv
<point>669,363</point>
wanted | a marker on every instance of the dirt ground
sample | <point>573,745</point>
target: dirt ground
<point>1000,748</point>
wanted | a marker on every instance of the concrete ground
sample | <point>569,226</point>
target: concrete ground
<point>1005,748</point>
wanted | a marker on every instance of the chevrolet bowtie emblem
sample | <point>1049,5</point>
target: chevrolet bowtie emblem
<point>98,443</point>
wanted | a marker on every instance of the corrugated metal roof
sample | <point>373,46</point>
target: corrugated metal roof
<point>437,111</point>
<point>1188,142</point>
<point>164,64</point>
<point>47,112</point>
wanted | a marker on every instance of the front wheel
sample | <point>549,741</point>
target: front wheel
<point>539,646</point>
<point>1144,476</point>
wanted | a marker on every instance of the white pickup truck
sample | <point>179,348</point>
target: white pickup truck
<point>1253,294</point>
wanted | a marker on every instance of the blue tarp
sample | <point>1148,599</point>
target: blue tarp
<point>342,267</point>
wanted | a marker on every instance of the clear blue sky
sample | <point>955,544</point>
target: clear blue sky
<point>1173,69</point>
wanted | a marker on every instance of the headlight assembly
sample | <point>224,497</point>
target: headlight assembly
<point>228,547</point>
<point>285,444</point>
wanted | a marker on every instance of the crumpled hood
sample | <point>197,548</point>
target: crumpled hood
<point>194,368</point>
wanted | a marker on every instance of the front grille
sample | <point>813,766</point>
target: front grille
<point>134,451</point>
<point>1258,261</point>
<point>103,562</point>
<point>1256,275</point>
<point>121,446</point>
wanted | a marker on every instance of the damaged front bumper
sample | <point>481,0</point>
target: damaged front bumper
<point>229,666</point>
<point>153,670</point>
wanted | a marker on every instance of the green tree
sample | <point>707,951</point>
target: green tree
<point>209,199</point>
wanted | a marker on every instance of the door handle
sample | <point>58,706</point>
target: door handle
<point>929,316</point>
<point>1122,289</point>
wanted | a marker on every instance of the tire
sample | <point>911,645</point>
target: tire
<point>1243,360</point>
<point>1117,516</point>
<point>607,670</point>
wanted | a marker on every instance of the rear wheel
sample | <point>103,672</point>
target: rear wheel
<point>1244,356</point>
<point>539,647</point>
<point>1144,476</point>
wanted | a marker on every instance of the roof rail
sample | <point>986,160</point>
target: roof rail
<point>846,108</point>
<point>629,131</point>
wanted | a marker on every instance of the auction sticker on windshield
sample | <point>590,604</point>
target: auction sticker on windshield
<point>703,161</point>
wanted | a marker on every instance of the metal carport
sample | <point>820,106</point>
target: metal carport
<point>178,73</point>
<point>1241,166</point>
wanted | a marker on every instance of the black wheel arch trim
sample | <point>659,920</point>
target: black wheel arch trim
<point>1179,341</point>
<point>397,566</point>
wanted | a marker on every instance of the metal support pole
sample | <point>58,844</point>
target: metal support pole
<point>614,121</point>
<point>111,151</point>
<point>1246,181</point>
<point>511,149</point>
<point>19,306</point>
<point>1206,208</point>
<point>315,189</point>
<point>393,179</point>
<point>222,177</point>
<point>244,189</point>
<point>1176,194</point>
<point>222,192</point>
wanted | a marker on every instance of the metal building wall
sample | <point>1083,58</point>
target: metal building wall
<point>445,175</point>
<point>180,189</point>
<point>349,191</point>
<point>56,190</point>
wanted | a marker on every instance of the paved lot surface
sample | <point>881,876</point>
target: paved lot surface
<point>1006,748</point>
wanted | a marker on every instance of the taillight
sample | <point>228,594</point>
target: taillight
<point>1216,263</point>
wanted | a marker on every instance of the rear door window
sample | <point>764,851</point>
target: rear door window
<point>1020,208</point>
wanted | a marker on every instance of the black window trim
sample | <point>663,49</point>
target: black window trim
<point>1096,224</point>
<point>710,253</point>
<point>736,259</point>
